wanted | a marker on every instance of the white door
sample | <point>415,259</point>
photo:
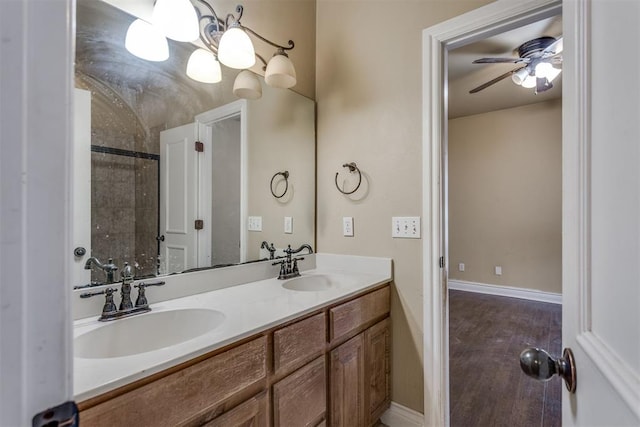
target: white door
<point>601,211</point>
<point>36,82</point>
<point>178,181</point>
<point>601,201</point>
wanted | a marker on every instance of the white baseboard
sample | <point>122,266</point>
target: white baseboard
<point>506,291</point>
<point>401,416</point>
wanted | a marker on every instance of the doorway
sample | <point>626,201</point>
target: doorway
<point>437,41</point>
<point>504,225</point>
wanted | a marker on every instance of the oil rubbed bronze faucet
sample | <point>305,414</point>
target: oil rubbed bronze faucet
<point>271,249</point>
<point>126,308</point>
<point>109,267</point>
<point>289,266</point>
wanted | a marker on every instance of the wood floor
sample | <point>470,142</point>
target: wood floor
<point>486,335</point>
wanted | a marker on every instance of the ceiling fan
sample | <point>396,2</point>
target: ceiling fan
<point>541,62</point>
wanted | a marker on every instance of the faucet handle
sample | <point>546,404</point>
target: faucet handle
<point>109,306</point>
<point>141,301</point>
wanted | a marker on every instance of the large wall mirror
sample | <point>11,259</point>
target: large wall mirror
<point>148,186</point>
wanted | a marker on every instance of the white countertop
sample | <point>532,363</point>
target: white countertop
<point>248,309</point>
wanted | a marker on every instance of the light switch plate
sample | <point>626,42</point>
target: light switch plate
<point>254,223</point>
<point>347,226</point>
<point>405,227</point>
<point>288,225</point>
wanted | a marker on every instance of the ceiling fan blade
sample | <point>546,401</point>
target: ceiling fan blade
<point>500,60</point>
<point>554,48</point>
<point>494,81</point>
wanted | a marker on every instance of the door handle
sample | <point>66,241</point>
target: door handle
<point>539,364</point>
<point>160,238</point>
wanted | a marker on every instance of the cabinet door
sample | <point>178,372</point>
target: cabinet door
<point>252,413</point>
<point>347,384</point>
<point>301,398</point>
<point>378,396</point>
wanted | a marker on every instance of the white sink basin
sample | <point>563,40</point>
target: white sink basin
<point>313,283</point>
<point>146,332</point>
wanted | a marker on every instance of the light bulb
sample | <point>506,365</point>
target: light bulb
<point>529,82</point>
<point>146,42</point>
<point>235,49</point>
<point>280,72</point>
<point>177,19</point>
<point>204,67</point>
<point>545,69</point>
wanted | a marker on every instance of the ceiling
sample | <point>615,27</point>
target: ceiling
<point>463,75</point>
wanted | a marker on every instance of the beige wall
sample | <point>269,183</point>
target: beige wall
<point>505,198</point>
<point>368,91</point>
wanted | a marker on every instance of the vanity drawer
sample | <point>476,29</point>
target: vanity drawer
<point>253,413</point>
<point>297,343</point>
<point>354,315</point>
<point>184,395</point>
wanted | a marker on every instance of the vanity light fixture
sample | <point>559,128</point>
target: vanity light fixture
<point>226,41</point>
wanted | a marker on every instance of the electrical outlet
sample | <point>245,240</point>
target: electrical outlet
<point>461,266</point>
<point>347,226</point>
<point>254,223</point>
<point>498,270</point>
<point>405,227</point>
<point>288,225</point>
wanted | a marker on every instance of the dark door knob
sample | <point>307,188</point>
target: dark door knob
<point>539,364</point>
<point>160,238</point>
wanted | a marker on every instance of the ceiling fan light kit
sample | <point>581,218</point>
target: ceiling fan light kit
<point>225,41</point>
<point>542,58</point>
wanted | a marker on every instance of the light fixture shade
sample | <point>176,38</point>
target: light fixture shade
<point>146,42</point>
<point>520,76</point>
<point>236,50</point>
<point>280,72</point>
<point>204,67</point>
<point>247,86</point>
<point>177,19</point>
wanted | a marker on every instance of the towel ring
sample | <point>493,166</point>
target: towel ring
<point>352,168</point>
<point>285,174</point>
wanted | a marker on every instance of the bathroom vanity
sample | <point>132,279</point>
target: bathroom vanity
<point>313,350</point>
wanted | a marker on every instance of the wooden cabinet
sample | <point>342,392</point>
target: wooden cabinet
<point>301,398</point>
<point>188,395</point>
<point>348,384</point>
<point>330,367</point>
<point>377,344</point>
<point>353,316</point>
<point>252,413</point>
<point>359,378</point>
<point>298,343</point>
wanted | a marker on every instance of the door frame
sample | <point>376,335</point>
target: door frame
<point>204,123</point>
<point>494,18</point>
